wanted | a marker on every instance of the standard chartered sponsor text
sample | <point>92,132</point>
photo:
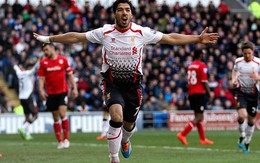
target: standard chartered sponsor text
<point>120,50</point>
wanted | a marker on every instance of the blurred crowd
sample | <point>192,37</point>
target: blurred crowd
<point>164,66</point>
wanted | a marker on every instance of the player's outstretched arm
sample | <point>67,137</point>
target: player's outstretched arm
<point>180,39</point>
<point>69,38</point>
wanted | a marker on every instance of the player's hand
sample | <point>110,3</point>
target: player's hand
<point>43,95</point>
<point>255,76</point>
<point>235,83</point>
<point>208,38</point>
<point>41,38</point>
<point>75,92</point>
<point>13,61</point>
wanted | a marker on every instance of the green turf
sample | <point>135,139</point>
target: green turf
<point>148,147</point>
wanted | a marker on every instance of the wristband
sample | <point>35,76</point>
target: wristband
<point>45,39</point>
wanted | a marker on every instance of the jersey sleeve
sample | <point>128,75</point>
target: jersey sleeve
<point>235,66</point>
<point>151,36</point>
<point>95,36</point>
<point>68,68</point>
<point>17,70</point>
<point>204,71</point>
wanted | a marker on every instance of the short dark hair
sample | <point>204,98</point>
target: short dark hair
<point>45,44</point>
<point>197,53</point>
<point>247,45</point>
<point>28,65</point>
<point>116,3</point>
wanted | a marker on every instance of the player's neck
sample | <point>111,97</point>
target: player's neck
<point>122,30</point>
<point>54,56</point>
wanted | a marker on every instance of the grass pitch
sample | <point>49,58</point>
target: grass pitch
<point>158,146</point>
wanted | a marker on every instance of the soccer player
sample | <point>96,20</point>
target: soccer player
<point>197,86</point>
<point>122,68</point>
<point>103,134</point>
<point>244,79</point>
<point>26,86</point>
<point>52,74</point>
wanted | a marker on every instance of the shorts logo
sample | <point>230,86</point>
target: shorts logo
<point>108,96</point>
<point>202,108</point>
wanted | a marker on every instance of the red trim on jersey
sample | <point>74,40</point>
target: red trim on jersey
<point>105,58</point>
<point>240,60</point>
<point>139,96</point>
<point>136,70</point>
<point>107,32</point>
<point>139,31</point>
<point>254,60</point>
<point>124,30</point>
<point>110,75</point>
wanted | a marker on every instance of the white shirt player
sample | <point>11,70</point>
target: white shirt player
<point>26,81</point>
<point>122,50</point>
<point>245,71</point>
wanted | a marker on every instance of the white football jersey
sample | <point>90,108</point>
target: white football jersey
<point>26,81</point>
<point>122,50</point>
<point>245,71</point>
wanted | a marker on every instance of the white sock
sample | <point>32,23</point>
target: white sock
<point>104,128</point>
<point>249,133</point>
<point>26,127</point>
<point>242,128</point>
<point>126,135</point>
<point>114,136</point>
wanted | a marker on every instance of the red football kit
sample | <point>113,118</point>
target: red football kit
<point>197,74</point>
<point>55,72</point>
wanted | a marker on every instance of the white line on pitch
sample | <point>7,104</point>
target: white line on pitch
<point>140,146</point>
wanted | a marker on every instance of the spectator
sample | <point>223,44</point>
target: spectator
<point>254,7</point>
<point>223,9</point>
<point>227,27</point>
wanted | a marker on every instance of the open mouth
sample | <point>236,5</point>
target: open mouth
<point>124,20</point>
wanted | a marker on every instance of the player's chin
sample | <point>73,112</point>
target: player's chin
<point>124,24</point>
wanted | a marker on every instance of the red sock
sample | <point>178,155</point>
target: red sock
<point>65,127</point>
<point>188,128</point>
<point>57,130</point>
<point>201,131</point>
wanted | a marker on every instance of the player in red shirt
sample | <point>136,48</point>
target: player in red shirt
<point>197,86</point>
<point>52,74</point>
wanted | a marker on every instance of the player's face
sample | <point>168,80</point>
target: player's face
<point>248,54</point>
<point>123,15</point>
<point>48,51</point>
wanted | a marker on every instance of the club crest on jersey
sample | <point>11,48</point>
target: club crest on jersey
<point>132,40</point>
<point>113,40</point>
<point>61,61</point>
